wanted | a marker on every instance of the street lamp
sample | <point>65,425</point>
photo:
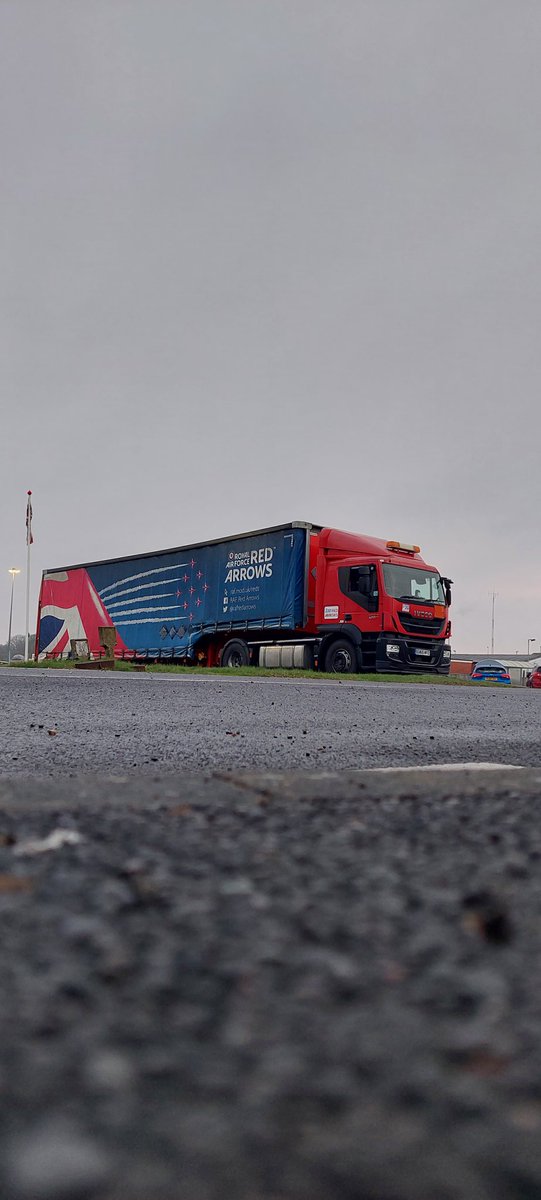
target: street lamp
<point>13,572</point>
<point>530,640</point>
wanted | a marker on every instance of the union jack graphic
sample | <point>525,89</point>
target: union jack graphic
<point>70,607</point>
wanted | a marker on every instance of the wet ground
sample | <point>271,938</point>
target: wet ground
<point>273,986</point>
<point>59,722</point>
<point>308,987</point>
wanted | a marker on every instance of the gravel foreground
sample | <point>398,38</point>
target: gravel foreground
<point>68,722</point>
<point>277,987</point>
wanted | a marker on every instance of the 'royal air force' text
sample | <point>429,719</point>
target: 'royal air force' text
<point>250,564</point>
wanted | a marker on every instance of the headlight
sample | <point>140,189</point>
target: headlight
<point>446,653</point>
<point>392,648</point>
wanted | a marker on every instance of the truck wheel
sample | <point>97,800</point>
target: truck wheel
<point>235,654</point>
<point>341,658</point>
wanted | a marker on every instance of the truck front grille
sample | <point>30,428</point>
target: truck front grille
<point>433,628</point>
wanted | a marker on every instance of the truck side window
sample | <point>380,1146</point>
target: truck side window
<point>361,585</point>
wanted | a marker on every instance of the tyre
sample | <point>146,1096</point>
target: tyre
<point>341,657</point>
<point>235,654</point>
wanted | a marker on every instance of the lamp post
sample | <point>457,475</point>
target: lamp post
<point>13,572</point>
<point>530,641</point>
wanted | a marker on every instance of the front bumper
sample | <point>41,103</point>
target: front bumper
<point>410,655</point>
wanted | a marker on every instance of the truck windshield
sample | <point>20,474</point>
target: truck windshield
<point>413,583</point>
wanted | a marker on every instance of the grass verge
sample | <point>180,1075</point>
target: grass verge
<point>256,672</point>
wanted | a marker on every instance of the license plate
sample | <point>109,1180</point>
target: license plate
<point>422,653</point>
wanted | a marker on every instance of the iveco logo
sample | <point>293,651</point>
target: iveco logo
<point>421,612</point>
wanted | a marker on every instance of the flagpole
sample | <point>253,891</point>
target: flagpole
<point>28,544</point>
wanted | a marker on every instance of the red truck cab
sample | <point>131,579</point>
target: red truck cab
<point>378,606</point>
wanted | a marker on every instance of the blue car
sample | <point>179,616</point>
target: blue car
<point>490,673</point>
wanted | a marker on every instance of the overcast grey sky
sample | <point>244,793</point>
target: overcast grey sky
<point>265,260</point>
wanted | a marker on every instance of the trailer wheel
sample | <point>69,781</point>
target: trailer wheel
<point>235,654</point>
<point>340,658</point>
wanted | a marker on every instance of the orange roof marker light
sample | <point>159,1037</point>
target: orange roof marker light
<point>404,547</point>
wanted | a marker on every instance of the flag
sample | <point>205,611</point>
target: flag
<point>29,537</point>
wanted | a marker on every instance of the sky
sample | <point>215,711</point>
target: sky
<point>274,260</point>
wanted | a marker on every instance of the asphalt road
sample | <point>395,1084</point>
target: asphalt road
<point>56,723</point>
<point>306,987</point>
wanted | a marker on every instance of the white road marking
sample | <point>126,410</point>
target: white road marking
<point>467,766</point>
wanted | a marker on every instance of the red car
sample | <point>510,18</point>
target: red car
<point>534,680</point>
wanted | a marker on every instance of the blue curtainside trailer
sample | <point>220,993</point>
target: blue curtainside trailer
<point>171,600</point>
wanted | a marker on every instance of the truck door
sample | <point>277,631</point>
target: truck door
<point>360,585</point>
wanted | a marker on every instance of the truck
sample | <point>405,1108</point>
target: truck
<point>294,595</point>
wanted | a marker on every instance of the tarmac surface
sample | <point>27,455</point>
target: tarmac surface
<point>219,984</point>
<point>299,986</point>
<point>61,722</point>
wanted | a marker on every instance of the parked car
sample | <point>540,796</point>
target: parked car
<point>534,678</point>
<point>490,673</point>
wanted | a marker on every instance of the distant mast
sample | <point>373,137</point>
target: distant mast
<point>492,625</point>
